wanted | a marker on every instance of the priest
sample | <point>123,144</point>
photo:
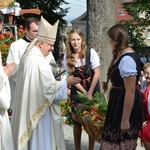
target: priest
<point>36,120</point>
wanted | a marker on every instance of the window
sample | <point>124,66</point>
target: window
<point>148,34</point>
<point>121,12</point>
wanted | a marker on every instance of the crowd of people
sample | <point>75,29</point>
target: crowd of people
<point>28,86</point>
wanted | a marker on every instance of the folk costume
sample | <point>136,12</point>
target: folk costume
<point>6,140</point>
<point>85,73</point>
<point>113,138</point>
<point>36,120</point>
<point>83,69</point>
<point>145,132</point>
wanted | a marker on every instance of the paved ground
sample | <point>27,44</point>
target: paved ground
<point>68,134</point>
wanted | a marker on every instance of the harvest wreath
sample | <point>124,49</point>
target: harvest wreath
<point>92,114</point>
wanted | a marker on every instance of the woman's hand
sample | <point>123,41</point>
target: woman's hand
<point>125,125</point>
<point>89,95</point>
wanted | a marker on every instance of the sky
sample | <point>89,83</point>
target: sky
<point>77,8</point>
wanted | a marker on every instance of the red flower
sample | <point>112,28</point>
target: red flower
<point>2,52</point>
<point>6,39</point>
<point>8,33</point>
<point>5,46</point>
<point>2,36</point>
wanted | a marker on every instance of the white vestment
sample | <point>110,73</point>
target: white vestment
<point>16,51</point>
<point>36,120</point>
<point>6,140</point>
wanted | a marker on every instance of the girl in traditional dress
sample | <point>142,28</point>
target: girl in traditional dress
<point>124,113</point>
<point>83,62</point>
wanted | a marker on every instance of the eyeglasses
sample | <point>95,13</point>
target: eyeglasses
<point>52,46</point>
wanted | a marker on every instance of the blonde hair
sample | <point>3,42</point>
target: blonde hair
<point>70,51</point>
<point>147,65</point>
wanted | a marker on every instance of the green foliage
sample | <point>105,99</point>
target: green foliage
<point>102,104</point>
<point>98,99</point>
<point>137,26</point>
<point>52,11</point>
<point>66,111</point>
<point>135,34</point>
<point>12,3</point>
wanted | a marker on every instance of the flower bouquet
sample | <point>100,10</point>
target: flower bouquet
<point>92,114</point>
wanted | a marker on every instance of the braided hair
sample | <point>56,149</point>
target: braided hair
<point>118,34</point>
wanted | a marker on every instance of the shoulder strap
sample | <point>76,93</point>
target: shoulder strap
<point>88,54</point>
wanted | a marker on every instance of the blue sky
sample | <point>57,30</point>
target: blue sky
<point>77,8</point>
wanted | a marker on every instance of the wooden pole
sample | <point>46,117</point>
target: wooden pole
<point>24,11</point>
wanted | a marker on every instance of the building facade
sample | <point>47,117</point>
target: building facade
<point>121,14</point>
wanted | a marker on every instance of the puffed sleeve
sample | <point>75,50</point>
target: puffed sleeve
<point>127,67</point>
<point>95,61</point>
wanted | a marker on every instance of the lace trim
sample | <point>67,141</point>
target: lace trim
<point>126,145</point>
<point>114,139</point>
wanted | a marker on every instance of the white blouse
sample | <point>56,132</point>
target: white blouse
<point>94,59</point>
<point>127,67</point>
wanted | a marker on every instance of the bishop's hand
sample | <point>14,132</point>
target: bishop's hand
<point>71,80</point>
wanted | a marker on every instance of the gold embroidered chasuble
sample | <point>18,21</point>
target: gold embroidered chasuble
<point>35,90</point>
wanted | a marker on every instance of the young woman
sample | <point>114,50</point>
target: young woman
<point>83,62</point>
<point>124,114</point>
<point>145,89</point>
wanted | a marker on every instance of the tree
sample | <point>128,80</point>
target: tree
<point>51,11</point>
<point>101,16</point>
<point>137,26</point>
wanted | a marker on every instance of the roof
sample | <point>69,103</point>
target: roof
<point>121,14</point>
<point>81,18</point>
